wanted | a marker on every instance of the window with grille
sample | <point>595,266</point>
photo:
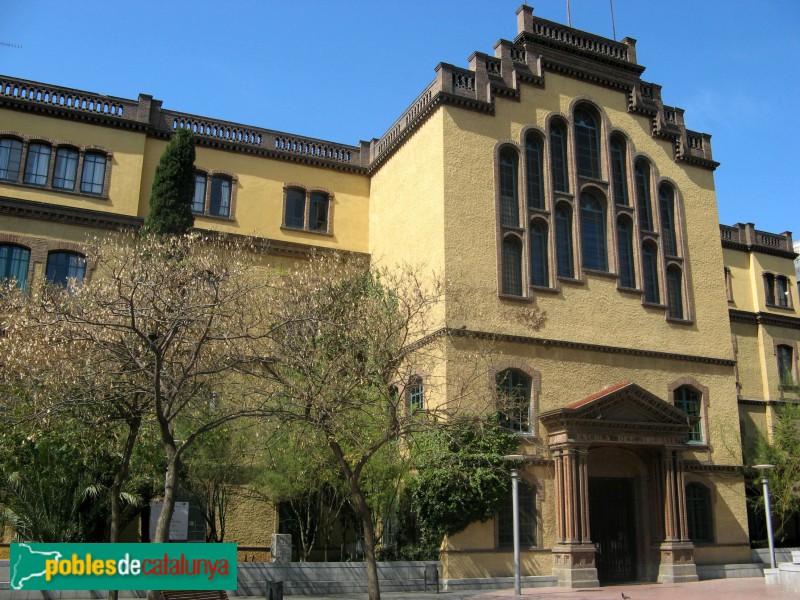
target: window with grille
<point>643,198</point>
<point>674,292</point>
<point>666,203</point>
<point>514,400</point>
<point>512,267</point>
<point>64,265</point>
<point>593,233</point>
<point>587,144</point>
<point>526,515</point>
<point>533,171</point>
<point>509,206</point>
<point>619,170</point>
<point>564,254</point>
<point>650,273</point>
<point>558,156</point>
<point>698,513</point>
<point>539,271</point>
<point>14,261</point>
<point>627,277</point>
<point>37,164</point>
<point>689,401</point>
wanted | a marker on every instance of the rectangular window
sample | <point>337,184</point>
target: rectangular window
<point>37,164</point>
<point>318,213</point>
<point>769,288</point>
<point>782,291</point>
<point>94,174</point>
<point>295,208</point>
<point>415,395</point>
<point>10,159</point>
<point>199,199</point>
<point>220,197</point>
<point>66,169</point>
<point>526,514</point>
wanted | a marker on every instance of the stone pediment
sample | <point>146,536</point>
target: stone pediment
<point>622,412</point>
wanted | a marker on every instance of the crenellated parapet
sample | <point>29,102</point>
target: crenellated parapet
<point>543,46</point>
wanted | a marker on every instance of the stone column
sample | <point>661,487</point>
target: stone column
<point>677,552</point>
<point>573,560</point>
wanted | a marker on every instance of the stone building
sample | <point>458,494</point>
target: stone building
<point>552,178</point>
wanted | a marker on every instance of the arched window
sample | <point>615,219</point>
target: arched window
<point>650,272</point>
<point>93,176</point>
<point>220,204</point>
<point>509,206</point>
<point>689,400</point>
<point>785,356</point>
<point>698,513</point>
<point>587,144</point>
<point>619,169</point>
<point>63,265</point>
<point>37,164</point>
<point>65,172</point>
<point>558,155</point>
<point>514,400</point>
<point>593,233</point>
<point>14,261</point>
<point>534,169</point>
<point>643,197</point>
<point>527,518</point>
<point>539,272</point>
<point>10,159</point>
<point>627,277</point>
<point>512,266</point>
<point>416,397</point>
<point>674,292</point>
<point>564,256</point>
<point>666,204</point>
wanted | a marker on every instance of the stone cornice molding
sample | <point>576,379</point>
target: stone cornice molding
<point>763,318</point>
<point>521,339</point>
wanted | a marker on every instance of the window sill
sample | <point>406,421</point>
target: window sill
<point>678,321</point>
<point>571,280</point>
<point>657,305</point>
<point>563,195</point>
<point>303,230</point>
<point>595,180</point>
<point>54,190</point>
<point>625,208</point>
<point>607,274</point>
<point>698,446</point>
<point>543,289</point>
<point>779,307</point>
<point>631,291</point>
<point>539,211</point>
<point>513,298</point>
<point>215,217</point>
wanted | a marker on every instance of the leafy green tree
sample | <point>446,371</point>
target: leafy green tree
<point>460,476</point>
<point>173,188</point>
<point>783,452</point>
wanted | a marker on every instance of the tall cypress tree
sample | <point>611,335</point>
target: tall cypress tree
<point>173,188</point>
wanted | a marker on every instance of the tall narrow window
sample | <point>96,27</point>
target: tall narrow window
<point>512,267</point>
<point>674,292</point>
<point>63,266</point>
<point>526,512</point>
<point>534,169</point>
<point>318,212</point>
<point>14,262</point>
<point>558,156</point>
<point>509,205</point>
<point>564,253</point>
<point>650,273</point>
<point>689,401</point>
<point>698,513</point>
<point>220,205</point>
<point>295,212</point>
<point>587,144</point>
<point>769,288</point>
<point>643,199</point>
<point>782,292</point>
<point>539,272</point>
<point>37,164</point>
<point>593,233</point>
<point>94,173</point>
<point>199,199</point>
<point>619,169</point>
<point>785,356</point>
<point>514,400</point>
<point>666,203</point>
<point>10,159</point>
<point>65,172</point>
<point>416,398</point>
<point>627,277</point>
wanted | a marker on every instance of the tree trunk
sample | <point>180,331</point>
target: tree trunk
<point>170,483</point>
<point>116,487</point>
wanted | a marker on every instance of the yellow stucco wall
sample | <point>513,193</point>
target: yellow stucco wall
<point>590,312</point>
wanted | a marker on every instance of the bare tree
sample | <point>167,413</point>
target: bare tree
<point>350,340</point>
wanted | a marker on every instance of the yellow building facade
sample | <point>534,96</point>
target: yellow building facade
<point>554,185</point>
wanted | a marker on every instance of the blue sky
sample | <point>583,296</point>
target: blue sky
<point>345,70</point>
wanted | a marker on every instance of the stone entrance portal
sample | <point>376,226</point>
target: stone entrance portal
<point>620,493</point>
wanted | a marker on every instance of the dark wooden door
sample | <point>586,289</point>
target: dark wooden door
<point>612,517</point>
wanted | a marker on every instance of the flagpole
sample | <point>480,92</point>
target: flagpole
<point>613,26</point>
